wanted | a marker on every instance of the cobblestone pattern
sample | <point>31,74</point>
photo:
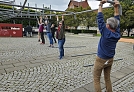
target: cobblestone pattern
<point>126,84</point>
<point>14,49</point>
<point>64,75</point>
<point>54,77</point>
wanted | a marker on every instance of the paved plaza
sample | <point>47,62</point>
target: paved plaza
<point>27,66</point>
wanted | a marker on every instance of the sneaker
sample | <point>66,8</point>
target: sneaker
<point>39,40</point>
<point>60,58</point>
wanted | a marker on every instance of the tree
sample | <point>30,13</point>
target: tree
<point>127,18</point>
<point>87,18</point>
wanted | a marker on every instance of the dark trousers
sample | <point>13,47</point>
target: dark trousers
<point>53,37</point>
<point>42,37</point>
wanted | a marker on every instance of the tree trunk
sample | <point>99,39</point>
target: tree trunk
<point>128,32</point>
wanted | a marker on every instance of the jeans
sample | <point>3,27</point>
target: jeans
<point>101,64</point>
<point>49,34</point>
<point>61,47</point>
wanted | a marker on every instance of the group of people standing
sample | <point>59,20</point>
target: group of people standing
<point>110,34</point>
<point>45,24</point>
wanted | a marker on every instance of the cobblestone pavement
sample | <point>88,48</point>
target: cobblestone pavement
<point>27,66</point>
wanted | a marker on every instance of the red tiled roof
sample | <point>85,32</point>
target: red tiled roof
<point>83,4</point>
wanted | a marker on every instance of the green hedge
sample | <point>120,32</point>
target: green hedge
<point>81,31</point>
<point>6,7</point>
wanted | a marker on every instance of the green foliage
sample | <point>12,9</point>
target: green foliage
<point>81,31</point>
<point>127,18</point>
<point>84,19</point>
<point>109,12</point>
<point>5,6</point>
<point>127,2</point>
<point>30,10</point>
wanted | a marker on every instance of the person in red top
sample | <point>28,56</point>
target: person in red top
<point>41,28</point>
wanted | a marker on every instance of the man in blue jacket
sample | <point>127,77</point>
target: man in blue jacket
<point>110,34</point>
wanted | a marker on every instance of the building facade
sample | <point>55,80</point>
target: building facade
<point>74,4</point>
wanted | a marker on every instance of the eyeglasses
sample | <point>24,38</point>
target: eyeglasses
<point>60,24</point>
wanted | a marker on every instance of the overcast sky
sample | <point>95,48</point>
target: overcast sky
<point>57,4</point>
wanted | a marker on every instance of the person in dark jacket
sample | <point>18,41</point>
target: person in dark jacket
<point>110,34</point>
<point>29,30</point>
<point>60,35</point>
<point>53,30</point>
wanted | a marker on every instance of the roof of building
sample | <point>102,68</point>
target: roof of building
<point>83,4</point>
